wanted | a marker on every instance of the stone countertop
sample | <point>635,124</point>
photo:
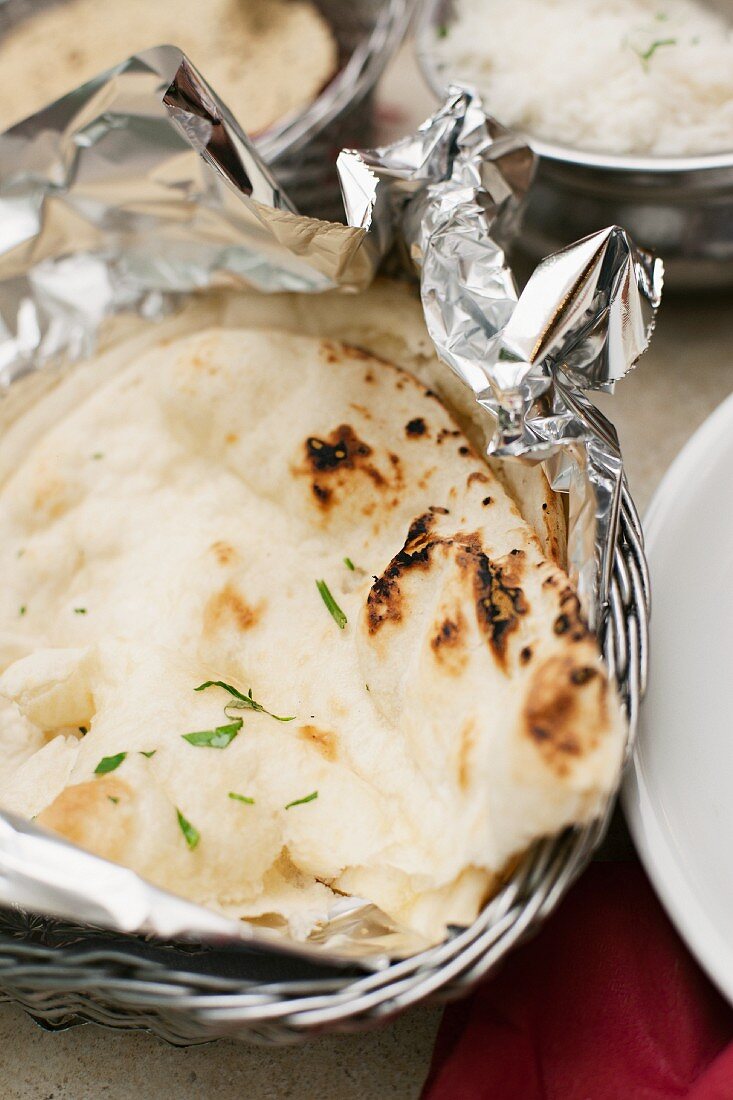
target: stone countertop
<point>685,375</point>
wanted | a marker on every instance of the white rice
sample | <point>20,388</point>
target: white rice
<point>616,76</point>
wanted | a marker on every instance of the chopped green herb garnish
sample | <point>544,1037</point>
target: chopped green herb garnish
<point>242,702</point>
<point>217,738</point>
<point>441,31</point>
<point>83,730</point>
<point>349,564</point>
<point>648,54</point>
<point>367,687</point>
<point>148,754</point>
<point>300,801</point>
<point>80,610</point>
<point>21,552</point>
<point>22,609</point>
<point>109,763</point>
<point>661,17</point>
<point>97,455</point>
<point>241,798</point>
<point>112,798</point>
<point>336,613</point>
<point>192,835</point>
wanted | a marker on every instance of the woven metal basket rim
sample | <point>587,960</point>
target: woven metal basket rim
<point>43,969</point>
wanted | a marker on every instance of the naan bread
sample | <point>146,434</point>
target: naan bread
<point>264,58</point>
<point>389,322</point>
<point>170,530</point>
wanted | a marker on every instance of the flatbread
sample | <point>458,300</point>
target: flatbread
<point>264,58</point>
<point>170,530</point>
<point>389,322</point>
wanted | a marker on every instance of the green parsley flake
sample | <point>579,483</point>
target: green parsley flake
<point>241,798</point>
<point>349,564</point>
<point>301,801</point>
<point>112,798</point>
<point>192,835</point>
<point>109,763</point>
<point>21,552</point>
<point>97,455</point>
<point>80,610</point>
<point>242,702</point>
<point>441,31</point>
<point>648,54</point>
<point>22,609</point>
<point>147,755</point>
<point>217,738</point>
<point>335,611</point>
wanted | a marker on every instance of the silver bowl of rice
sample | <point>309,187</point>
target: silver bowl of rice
<point>629,104</point>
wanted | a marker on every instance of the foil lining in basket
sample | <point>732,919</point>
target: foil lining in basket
<point>140,188</point>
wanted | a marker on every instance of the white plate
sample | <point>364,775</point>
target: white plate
<point>678,796</point>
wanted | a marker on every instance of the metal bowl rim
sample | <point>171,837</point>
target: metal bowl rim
<point>566,154</point>
<point>359,72</point>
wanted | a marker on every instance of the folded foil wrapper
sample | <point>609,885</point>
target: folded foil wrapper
<point>139,189</point>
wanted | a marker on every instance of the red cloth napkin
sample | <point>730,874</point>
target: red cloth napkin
<point>605,1003</point>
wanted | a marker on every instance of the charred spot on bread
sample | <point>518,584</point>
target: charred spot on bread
<point>447,635</point>
<point>498,596</point>
<point>570,620</point>
<point>581,676</point>
<point>343,447</point>
<point>332,462</point>
<point>448,642</point>
<point>385,600</point>
<point>416,428</point>
<point>566,711</point>
<point>499,600</point>
<point>447,433</point>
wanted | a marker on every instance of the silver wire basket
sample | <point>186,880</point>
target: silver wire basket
<point>65,975</point>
